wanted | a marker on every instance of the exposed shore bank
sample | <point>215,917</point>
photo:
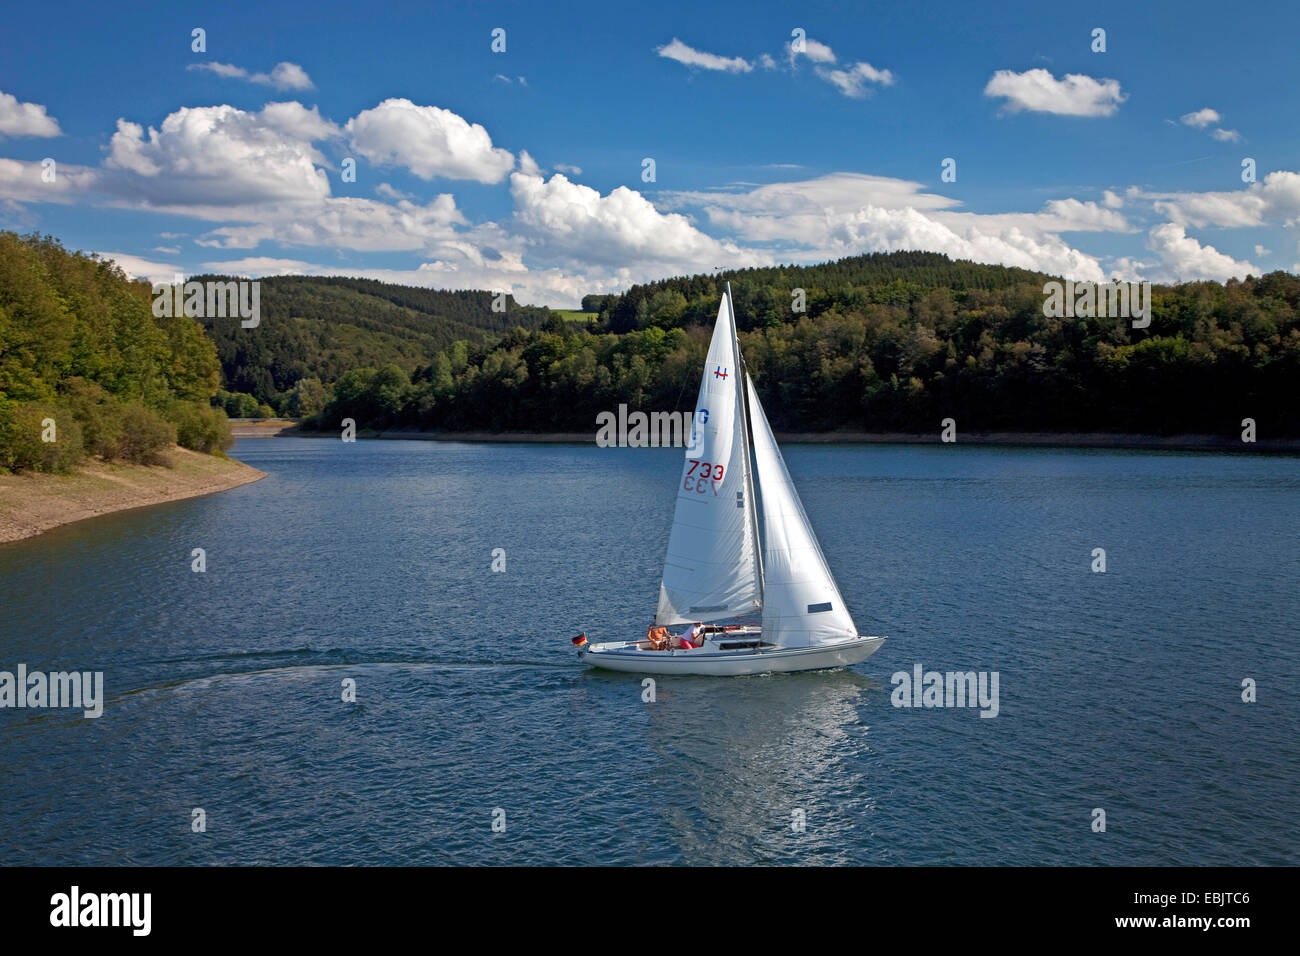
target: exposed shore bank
<point>33,503</point>
<point>1043,439</point>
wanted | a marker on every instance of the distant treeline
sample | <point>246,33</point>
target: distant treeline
<point>887,342</point>
<point>86,369</point>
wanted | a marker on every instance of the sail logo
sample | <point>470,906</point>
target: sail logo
<point>720,372</point>
<point>642,430</point>
<point>36,689</point>
<point>74,908</point>
<point>1086,300</point>
<point>210,300</point>
<point>953,689</point>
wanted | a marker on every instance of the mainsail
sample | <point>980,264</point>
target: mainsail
<point>712,569</point>
<point>801,604</point>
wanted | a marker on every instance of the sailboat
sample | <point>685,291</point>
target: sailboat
<point>775,585</point>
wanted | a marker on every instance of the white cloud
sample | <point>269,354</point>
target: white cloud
<point>389,192</point>
<point>168,250</point>
<point>283,76</point>
<point>1201,118</point>
<point>853,81</point>
<point>25,119</point>
<point>1072,215</point>
<point>1206,118</point>
<point>1185,259</point>
<point>570,170</point>
<point>220,156</point>
<point>258,266</point>
<point>1274,199</point>
<point>848,214</point>
<point>346,222</point>
<point>1112,201</point>
<point>297,122</point>
<point>22,181</point>
<point>429,141</point>
<point>527,165</point>
<point>137,268</point>
<point>567,222</point>
<point>689,56</point>
<point>1261,251</point>
<point>1038,91</point>
<point>814,50</point>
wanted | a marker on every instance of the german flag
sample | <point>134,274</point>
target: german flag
<point>580,639</point>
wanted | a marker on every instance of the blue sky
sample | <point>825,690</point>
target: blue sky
<point>523,169</point>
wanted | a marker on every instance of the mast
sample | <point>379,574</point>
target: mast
<point>743,404</point>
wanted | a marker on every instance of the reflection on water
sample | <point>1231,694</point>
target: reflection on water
<point>753,751</point>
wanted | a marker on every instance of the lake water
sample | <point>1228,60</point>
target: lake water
<point>372,561</point>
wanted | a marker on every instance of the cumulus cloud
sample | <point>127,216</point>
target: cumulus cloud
<point>1205,119</point>
<point>527,165</point>
<point>848,214</point>
<point>1038,91</point>
<point>569,222</point>
<point>220,156</point>
<point>283,76</point>
<point>429,141</point>
<point>689,56</point>
<point>1276,198</point>
<point>25,119</point>
<point>1184,258</point>
<point>1201,118</point>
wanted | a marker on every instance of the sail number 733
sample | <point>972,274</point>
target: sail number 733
<point>701,475</point>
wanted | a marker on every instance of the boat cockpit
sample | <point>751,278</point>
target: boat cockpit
<point>718,637</point>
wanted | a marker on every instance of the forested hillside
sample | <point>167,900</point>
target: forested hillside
<point>318,328</point>
<point>86,368</point>
<point>882,343</point>
<point>887,342</point>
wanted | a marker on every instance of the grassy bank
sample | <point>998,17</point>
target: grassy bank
<point>31,503</point>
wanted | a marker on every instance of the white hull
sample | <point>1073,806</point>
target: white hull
<point>629,656</point>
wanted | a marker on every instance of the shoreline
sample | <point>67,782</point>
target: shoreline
<point>33,503</point>
<point>1105,440</point>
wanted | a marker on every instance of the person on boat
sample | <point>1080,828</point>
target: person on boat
<point>694,636</point>
<point>656,636</point>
